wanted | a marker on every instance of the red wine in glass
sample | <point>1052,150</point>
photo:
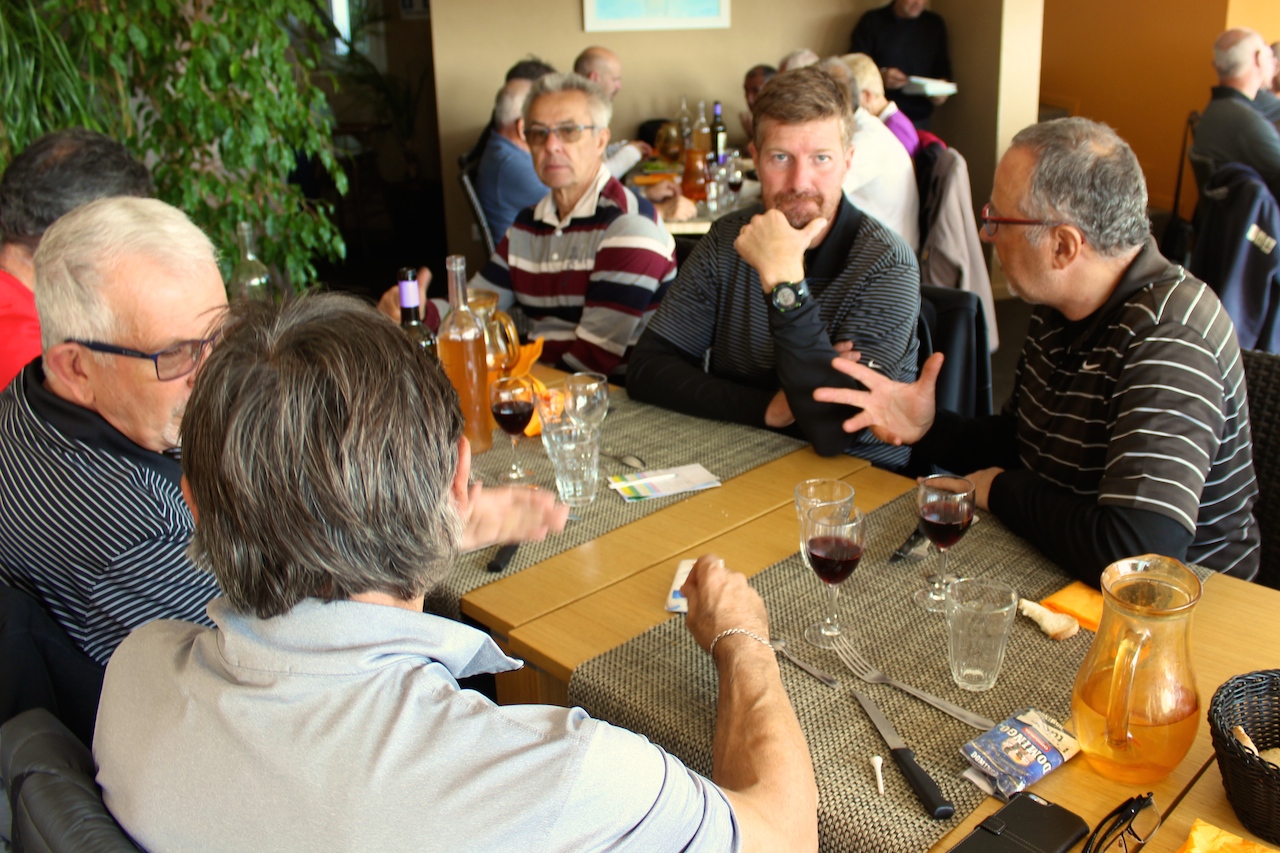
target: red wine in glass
<point>833,557</point>
<point>735,183</point>
<point>944,522</point>
<point>513,415</point>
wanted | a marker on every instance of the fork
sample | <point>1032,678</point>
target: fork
<point>868,673</point>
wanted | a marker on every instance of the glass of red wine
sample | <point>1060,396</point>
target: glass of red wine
<point>735,176</point>
<point>511,401</point>
<point>834,537</point>
<point>945,508</point>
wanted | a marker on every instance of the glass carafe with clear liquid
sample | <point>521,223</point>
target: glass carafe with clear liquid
<point>250,278</point>
<point>460,345</point>
<point>1135,703</point>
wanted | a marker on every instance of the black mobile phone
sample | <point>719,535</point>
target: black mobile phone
<point>1027,822</point>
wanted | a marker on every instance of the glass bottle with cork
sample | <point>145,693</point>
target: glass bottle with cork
<point>410,315</point>
<point>462,352</point>
<point>719,135</point>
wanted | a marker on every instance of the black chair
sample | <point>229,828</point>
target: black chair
<point>1262,376</point>
<point>40,667</point>
<point>466,177</point>
<point>49,776</point>
<point>957,326</point>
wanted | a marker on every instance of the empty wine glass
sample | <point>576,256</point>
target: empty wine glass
<point>586,399</point>
<point>945,508</point>
<point>835,535</point>
<point>511,401</point>
<point>819,492</point>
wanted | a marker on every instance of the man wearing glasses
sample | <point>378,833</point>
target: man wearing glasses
<point>92,520</point>
<point>1128,429</point>
<point>589,263</point>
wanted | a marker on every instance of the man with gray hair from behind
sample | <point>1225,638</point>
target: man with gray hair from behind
<point>506,181</point>
<point>1232,129</point>
<point>1128,429</point>
<point>326,468</point>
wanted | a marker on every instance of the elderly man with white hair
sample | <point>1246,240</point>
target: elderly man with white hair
<point>92,519</point>
<point>1231,129</point>
<point>506,181</point>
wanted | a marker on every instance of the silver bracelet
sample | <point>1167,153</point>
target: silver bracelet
<point>711,650</point>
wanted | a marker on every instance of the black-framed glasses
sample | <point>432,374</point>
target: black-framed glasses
<point>991,223</point>
<point>172,362</point>
<point>1129,826</point>
<point>568,133</point>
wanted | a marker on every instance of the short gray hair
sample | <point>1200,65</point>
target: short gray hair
<point>801,57</point>
<point>509,104</point>
<point>320,445</point>
<point>1234,50</point>
<point>1087,176</point>
<point>80,251</point>
<point>598,103</point>
<point>866,74</point>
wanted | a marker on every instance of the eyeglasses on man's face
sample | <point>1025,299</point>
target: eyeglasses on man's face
<point>172,362</point>
<point>1129,826</point>
<point>569,133</point>
<point>991,222</point>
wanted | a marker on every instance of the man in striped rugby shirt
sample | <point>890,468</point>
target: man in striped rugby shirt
<point>589,263</point>
<point>1128,429</point>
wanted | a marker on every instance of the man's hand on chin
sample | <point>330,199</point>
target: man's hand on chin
<point>778,415</point>
<point>511,514</point>
<point>982,481</point>
<point>774,248</point>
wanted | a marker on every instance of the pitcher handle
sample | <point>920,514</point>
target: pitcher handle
<point>511,344</point>
<point>1126,666</point>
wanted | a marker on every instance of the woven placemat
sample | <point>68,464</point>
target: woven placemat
<point>662,685</point>
<point>661,438</point>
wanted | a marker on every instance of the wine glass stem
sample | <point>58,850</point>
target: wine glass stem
<point>515,460</point>
<point>833,617</point>
<point>939,582</point>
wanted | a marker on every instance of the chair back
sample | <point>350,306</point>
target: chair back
<point>1262,376</point>
<point>466,177</point>
<point>1203,168</point>
<point>957,327</point>
<point>40,667</point>
<point>49,776</point>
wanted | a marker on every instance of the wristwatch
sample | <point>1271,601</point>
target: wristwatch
<point>788,296</point>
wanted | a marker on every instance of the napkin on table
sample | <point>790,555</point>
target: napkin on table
<point>1078,600</point>
<point>1207,838</point>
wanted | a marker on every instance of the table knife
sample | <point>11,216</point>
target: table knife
<point>913,549</point>
<point>500,559</point>
<point>930,795</point>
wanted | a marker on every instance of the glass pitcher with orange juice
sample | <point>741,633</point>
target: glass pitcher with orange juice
<point>1135,703</point>
<point>501,340</point>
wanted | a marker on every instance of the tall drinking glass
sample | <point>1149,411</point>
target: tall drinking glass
<point>945,506</point>
<point>511,401</point>
<point>835,536</point>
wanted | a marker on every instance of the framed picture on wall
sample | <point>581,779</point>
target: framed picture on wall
<point>615,15</point>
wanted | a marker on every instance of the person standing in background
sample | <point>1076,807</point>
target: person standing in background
<point>905,40</point>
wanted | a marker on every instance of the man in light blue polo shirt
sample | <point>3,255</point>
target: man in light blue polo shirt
<point>506,182</point>
<point>324,462</point>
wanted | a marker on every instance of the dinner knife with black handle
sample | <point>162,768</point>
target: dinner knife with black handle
<point>930,795</point>
<point>500,559</point>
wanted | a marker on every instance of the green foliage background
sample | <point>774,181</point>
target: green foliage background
<point>212,95</point>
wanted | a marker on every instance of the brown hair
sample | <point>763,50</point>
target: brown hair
<point>320,445</point>
<point>804,95</point>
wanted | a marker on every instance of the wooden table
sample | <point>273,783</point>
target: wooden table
<point>622,567</point>
<point>557,640</point>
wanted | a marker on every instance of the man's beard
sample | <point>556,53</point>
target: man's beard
<point>798,214</point>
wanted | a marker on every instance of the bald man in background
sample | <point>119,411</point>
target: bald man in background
<point>602,67</point>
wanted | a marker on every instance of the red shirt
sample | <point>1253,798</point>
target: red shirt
<point>19,327</point>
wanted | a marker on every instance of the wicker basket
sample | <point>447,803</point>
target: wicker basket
<point>1252,784</point>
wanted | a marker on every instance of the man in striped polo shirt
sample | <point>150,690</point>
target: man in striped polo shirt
<point>768,296</point>
<point>1128,429</point>
<point>590,262</point>
<point>92,520</point>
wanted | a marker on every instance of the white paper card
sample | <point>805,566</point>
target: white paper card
<point>676,602</point>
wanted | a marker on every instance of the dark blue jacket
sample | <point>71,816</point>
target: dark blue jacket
<point>1236,253</point>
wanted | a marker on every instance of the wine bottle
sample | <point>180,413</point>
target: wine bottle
<point>250,278</point>
<point>719,136</point>
<point>461,347</point>
<point>686,124</point>
<point>701,130</point>
<point>410,316</point>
